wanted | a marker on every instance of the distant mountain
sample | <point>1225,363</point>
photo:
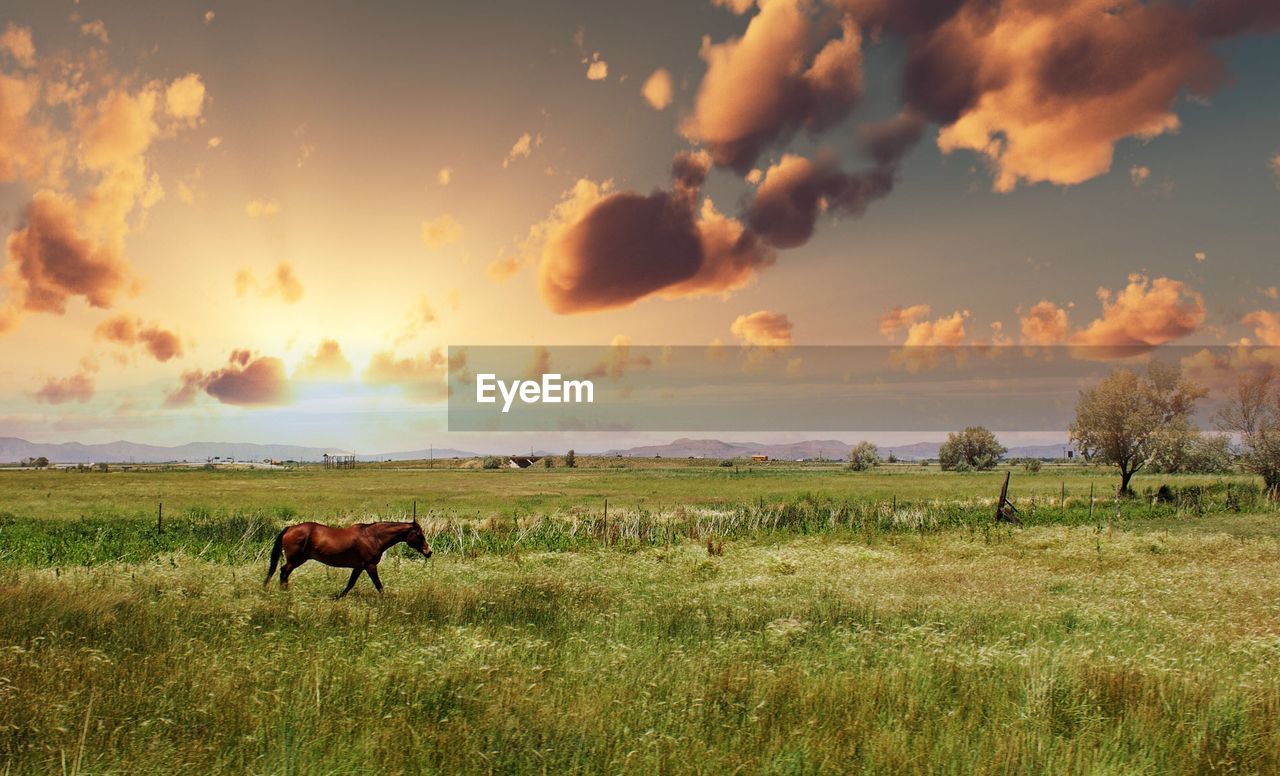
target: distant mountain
<point>831,449</point>
<point>13,450</point>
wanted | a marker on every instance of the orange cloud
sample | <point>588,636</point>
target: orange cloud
<point>902,317</point>
<point>1144,313</point>
<point>948,331</point>
<point>522,148</point>
<point>795,191</point>
<point>441,231</point>
<point>125,330</point>
<point>1044,324</point>
<point>763,328</point>
<point>420,378</point>
<point>246,380</point>
<point>1266,326</point>
<point>78,387</point>
<point>283,283</point>
<point>259,208</point>
<point>17,42</point>
<point>658,89</point>
<point>603,250</point>
<point>326,363</point>
<point>1045,90</point>
<point>779,77</point>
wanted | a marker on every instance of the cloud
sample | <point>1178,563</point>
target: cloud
<point>1200,256</point>
<point>326,363</point>
<point>184,99</point>
<point>79,387</point>
<point>886,142</point>
<point>1044,324</point>
<point>444,176</point>
<point>214,142</point>
<point>1043,90</point>
<point>246,380</point>
<point>1138,175</point>
<point>259,208</point>
<point>421,314</point>
<point>283,283</point>
<point>1266,326</point>
<point>901,318</point>
<point>763,328</point>
<point>208,17</point>
<point>597,68</point>
<point>658,89</point>
<point>522,148</point>
<point>420,378</point>
<point>504,268</point>
<point>441,231</point>
<point>16,41</point>
<point>795,191</point>
<point>619,360</point>
<point>782,75</point>
<point>1145,312</point>
<point>947,331</point>
<point>126,330</point>
<point>56,261</point>
<point>96,29</point>
<point>603,250</point>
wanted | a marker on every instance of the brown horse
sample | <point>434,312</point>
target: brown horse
<point>358,548</point>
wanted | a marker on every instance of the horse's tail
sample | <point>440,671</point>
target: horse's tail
<point>275,556</point>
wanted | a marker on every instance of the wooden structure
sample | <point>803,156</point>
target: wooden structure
<point>338,461</point>
<point>1006,512</point>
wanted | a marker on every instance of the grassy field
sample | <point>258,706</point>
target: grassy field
<point>855,622</point>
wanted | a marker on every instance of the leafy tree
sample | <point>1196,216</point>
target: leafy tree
<point>549,462</point>
<point>975,448</point>
<point>1184,450</point>
<point>492,462</point>
<point>570,460</point>
<point>42,462</point>
<point>863,456</point>
<point>1253,413</point>
<point>1124,419</point>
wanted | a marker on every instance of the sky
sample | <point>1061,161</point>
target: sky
<point>268,222</point>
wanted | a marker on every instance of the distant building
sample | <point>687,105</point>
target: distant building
<point>759,458</point>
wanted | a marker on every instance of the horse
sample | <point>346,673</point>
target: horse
<point>358,547</point>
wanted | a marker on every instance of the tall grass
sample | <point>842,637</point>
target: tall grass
<point>238,534</point>
<point>1059,649</point>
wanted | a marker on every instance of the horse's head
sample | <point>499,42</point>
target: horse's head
<point>417,540</point>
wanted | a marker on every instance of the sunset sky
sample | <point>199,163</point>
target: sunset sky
<point>267,222</point>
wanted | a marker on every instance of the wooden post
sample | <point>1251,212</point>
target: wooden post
<point>1062,502</point>
<point>159,517</point>
<point>415,510</point>
<point>1090,501</point>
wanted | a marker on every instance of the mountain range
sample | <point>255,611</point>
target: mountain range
<point>13,450</point>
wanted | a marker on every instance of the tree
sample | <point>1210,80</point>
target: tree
<point>42,462</point>
<point>1124,419</point>
<point>1184,450</point>
<point>863,456</point>
<point>1253,414</point>
<point>973,448</point>
<point>549,462</point>
<point>570,460</point>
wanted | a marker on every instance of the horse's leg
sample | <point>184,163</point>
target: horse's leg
<point>287,569</point>
<point>355,574</point>
<point>373,574</point>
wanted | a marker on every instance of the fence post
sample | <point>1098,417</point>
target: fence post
<point>159,516</point>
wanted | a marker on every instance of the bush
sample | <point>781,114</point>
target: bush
<point>1032,465</point>
<point>863,456</point>
<point>727,463</point>
<point>570,460</point>
<point>549,462</point>
<point>492,462</point>
<point>976,447</point>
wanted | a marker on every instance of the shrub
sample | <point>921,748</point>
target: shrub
<point>492,462</point>
<point>863,456</point>
<point>976,447</point>
<point>1032,465</point>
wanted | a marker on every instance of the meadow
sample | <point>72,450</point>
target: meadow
<point>854,622</point>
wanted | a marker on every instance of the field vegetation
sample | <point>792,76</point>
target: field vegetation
<point>839,621</point>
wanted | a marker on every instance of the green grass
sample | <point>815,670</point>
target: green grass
<point>887,640</point>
